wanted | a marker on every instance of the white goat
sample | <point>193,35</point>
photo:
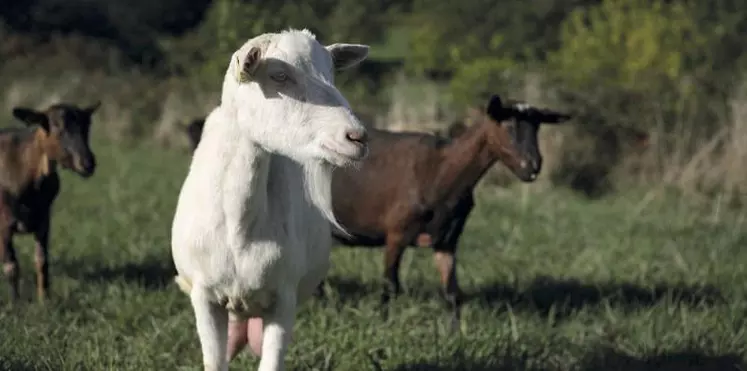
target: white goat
<point>250,236</point>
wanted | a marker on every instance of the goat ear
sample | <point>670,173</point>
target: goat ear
<point>551,117</point>
<point>245,71</point>
<point>495,108</point>
<point>31,117</point>
<point>92,108</point>
<point>347,55</point>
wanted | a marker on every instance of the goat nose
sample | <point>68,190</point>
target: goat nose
<point>87,164</point>
<point>358,136</point>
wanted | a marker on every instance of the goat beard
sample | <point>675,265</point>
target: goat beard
<point>242,333</point>
<point>318,183</point>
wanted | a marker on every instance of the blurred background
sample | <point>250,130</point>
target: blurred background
<point>657,87</point>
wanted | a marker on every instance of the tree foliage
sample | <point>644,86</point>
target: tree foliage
<point>631,43</point>
<point>479,45</point>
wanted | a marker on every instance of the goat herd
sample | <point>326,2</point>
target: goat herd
<point>281,170</point>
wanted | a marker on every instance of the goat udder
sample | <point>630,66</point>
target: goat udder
<point>254,333</point>
<point>248,332</point>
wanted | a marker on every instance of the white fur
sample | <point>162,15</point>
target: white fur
<point>250,236</point>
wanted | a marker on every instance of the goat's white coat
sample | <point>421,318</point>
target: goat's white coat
<point>250,235</point>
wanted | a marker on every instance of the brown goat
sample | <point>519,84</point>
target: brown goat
<point>416,189</point>
<point>29,182</point>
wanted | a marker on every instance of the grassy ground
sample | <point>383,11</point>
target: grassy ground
<point>556,283</point>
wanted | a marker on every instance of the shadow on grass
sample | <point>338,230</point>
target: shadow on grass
<point>348,290</point>
<point>150,274</point>
<point>458,362</point>
<point>547,294</point>
<point>566,296</point>
<point>472,366</point>
<point>607,360</point>
<point>9,364</point>
<point>611,360</point>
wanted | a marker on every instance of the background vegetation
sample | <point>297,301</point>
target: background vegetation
<point>672,68</point>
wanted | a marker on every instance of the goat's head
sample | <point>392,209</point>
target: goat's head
<point>281,88</point>
<point>513,135</point>
<point>67,128</point>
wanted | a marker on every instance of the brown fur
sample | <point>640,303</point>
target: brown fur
<point>29,182</point>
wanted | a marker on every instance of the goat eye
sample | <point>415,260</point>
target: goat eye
<point>279,77</point>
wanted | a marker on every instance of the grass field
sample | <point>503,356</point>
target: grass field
<point>556,283</point>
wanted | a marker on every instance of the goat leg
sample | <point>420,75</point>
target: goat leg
<point>392,259</point>
<point>278,327</point>
<point>212,328</point>
<point>41,236</point>
<point>10,264</point>
<point>446,265</point>
<point>445,259</point>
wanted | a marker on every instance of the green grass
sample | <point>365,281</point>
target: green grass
<point>557,283</point>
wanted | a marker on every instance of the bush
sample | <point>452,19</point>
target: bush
<point>630,44</point>
<point>656,65</point>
